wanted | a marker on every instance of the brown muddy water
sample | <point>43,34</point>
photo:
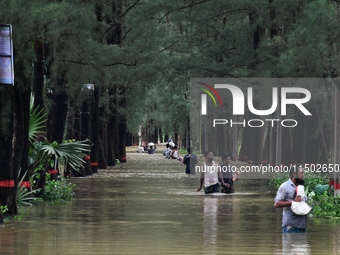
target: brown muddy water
<point>149,206</point>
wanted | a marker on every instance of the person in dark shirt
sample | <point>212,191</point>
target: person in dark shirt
<point>152,149</point>
<point>190,160</point>
<point>227,175</point>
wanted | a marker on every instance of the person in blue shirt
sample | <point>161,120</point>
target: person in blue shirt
<point>167,151</point>
<point>291,222</point>
<point>152,149</point>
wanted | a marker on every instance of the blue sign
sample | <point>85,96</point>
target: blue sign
<point>6,55</point>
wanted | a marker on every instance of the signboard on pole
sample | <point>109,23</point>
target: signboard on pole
<point>6,56</point>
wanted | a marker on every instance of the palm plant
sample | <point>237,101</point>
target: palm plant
<point>45,154</point>
<point>68,153</point>
<point>36,122</point>
<point>42,152</point>
<point>24,197</point>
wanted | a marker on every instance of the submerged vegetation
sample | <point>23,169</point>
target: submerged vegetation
<point>58,191</point>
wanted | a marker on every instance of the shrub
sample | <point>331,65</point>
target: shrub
<point>3,209</point>
<point>58,192</point>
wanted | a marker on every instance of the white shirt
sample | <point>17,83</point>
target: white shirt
<point>210,174</point>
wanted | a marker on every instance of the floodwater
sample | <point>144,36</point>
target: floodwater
<point>149,206</point>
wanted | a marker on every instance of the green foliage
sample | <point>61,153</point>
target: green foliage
<point>276,181</point>
<point>310,54</point>
<point>17,218</point>
<point>41,154</point>
<point>3,209</point>
<point>325,205</point>
<point>54,191</point>
<point>311,179</point>
<point>69,152</point>
<point>320,195</point>
<point>58,192</point>
<point>182,151</point>
<point>45,154</point>
<point>24,197</point>
<point>36,122</point>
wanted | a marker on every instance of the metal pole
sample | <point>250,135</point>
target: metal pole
<point>336,181</point>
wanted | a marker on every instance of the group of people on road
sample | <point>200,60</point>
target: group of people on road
<point>171,151</point>
<point>150,148</point>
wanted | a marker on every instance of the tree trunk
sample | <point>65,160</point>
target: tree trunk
<point>259,31</point>
<point>58,113</point>
<point>312,141</point>
<point>85,120</point>
<point>246,144</point>
<point>114,36</point>
<point>103,134</point>
<point>110,142</point>
<point>117,138</point>
<point>278,142</point>
<point>286,146</point>
<point>122,125</point>
<point>176,138</point>
<point>336,160</point>
<point>95,130</point>
<point>122,135</point>
<point>6,145</point>
<point>20,147</point>
<point>166,138</point>
<point>39,72</point>
<point>101,157</point>
<point>275,29</point>
<point>155,134</point>
<point>13,142</point>
<point>70,122</point>
<point>160,135</point>
<point>77,124</point>
<point>322,140</point>
<point>299,139</point>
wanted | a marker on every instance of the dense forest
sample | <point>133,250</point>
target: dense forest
<point>117,72</point>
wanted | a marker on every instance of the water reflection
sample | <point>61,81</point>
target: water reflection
<point>295,244</point>
<point>210,226</point>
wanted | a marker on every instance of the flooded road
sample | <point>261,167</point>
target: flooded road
<point>149,206</point>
